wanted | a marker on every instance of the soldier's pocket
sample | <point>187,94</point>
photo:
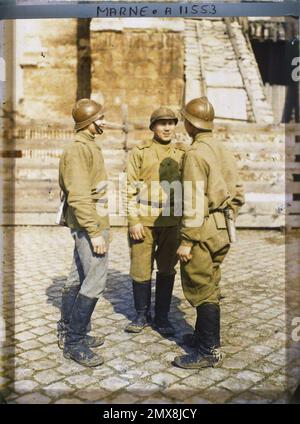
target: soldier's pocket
<point>219,242</point>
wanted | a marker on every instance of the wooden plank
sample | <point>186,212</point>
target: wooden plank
<point>293,187</point>
<point>270,209</point>
<point>44,136</point>
<point>47,218</point>
<point>203,82</point>
<point>41,174</point>
<point>36,196</point>
<point>294,208</point>
<point>291,139</point>
<point>260,221</point>
<point>269,166</point>
<point>39,133</point>
<point>259,157</point>
<point>264,187</point>
<point>45,198</point>
<point>32,162</point>
<point>107,142</point>
<point>293,221</point>
<point>250,128</point>
<point>256,146</point>
<point>241,67</point>
<point>248,145</point>
<point>293,150</point>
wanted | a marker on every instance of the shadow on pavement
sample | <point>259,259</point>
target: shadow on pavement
<point>119,293</point>
<point>54,291</point>
<point>295,399</point>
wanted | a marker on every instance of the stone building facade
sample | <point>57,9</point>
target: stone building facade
<point>137,65</point>
<point>140,67</point>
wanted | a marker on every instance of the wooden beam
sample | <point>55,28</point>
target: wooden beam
<point>57,131</point>
<point>203,82</point>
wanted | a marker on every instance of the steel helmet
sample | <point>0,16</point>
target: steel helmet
<point>200,113</point>
<point>162,113</point>
<point>85,112</point>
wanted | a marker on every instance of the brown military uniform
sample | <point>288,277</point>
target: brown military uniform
<point>208,161</point>
<point>82,177</point>
<point>148,202</point>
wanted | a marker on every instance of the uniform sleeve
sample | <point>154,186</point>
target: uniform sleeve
<point>132,186</point>
<point>78,187</point>
<point>194,178</point>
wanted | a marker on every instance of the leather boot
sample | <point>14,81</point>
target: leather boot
<point>163,297</point>
<point>69,295</point>
<point>208,352</point>
<point>193,339</point>
<point>68,298</point>
<point>75,347</point>
<point>142,303</point>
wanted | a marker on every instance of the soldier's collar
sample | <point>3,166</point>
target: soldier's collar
<point>158,141</point>
<point>205,136</point>
<point>84,136</point>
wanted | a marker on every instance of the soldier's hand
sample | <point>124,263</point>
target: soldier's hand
<point>137,232</point>
<point>99,245</point>
<point>184,253</point>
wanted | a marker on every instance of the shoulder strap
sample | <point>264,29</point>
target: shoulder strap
<point>144,144</point>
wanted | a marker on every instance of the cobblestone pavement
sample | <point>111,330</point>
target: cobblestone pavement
<point>138,368</point>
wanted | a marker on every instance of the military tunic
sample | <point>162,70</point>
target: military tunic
<point>149,201</point>
<point>83,178</point>
<point>209,162</point>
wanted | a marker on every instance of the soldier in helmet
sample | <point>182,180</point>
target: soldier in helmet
<point>152,220</point>
<point>204,236</point>
<point>82,178</point>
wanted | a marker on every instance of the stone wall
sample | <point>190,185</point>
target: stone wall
<point>49,69</point>
<point>142,68</point>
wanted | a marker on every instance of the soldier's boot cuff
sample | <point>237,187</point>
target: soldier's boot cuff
<point>75,347</point>
<point>163,296</point>
<point>81,315</point>
<point>191,340</point>
<point>68,299</point>
<point>142,303</point>
<point>163,325</point>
